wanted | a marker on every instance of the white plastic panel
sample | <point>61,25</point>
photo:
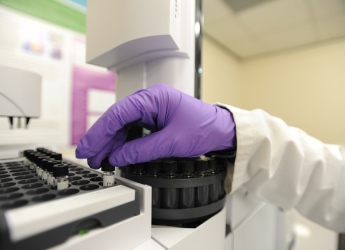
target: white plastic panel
<point>150,245</point>
<point>259,232</point>
<point>240,206</point>
<point>131,31</point>
<point>45,216</point>
<point>125,235</point>
<point>173,70</point>
<point>229,241</point>
<point>209,235</point>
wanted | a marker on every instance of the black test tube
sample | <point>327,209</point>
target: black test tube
<point>213,188</point>
<point>152,170</point>
<point>202,192</point>
<point>187,195</point>
<point>221,166</point>
<point>170,196</point>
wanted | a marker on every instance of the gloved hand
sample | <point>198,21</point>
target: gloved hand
<point>184,127</point>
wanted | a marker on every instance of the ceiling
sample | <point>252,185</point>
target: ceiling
<point>264,26</point>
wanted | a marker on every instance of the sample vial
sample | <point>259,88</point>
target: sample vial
<point>222,164</point>
<point>187,195</point>
<point>38,162</point>
<point>152,170</point>
<point>44,166</point>
<point>60,173</point>
<point>26,154</point>
<point>213,188</point>
<point>170,196</point>
<point>50,176</point>
<point>30,156</point>
<point>108,174</point>
<point>202,192</point>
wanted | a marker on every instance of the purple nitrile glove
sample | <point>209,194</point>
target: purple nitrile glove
<point>185,127</point>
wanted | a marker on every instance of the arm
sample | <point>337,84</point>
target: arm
<point>286,167</point>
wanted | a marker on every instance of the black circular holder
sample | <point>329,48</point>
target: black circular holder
<point>184,190</point>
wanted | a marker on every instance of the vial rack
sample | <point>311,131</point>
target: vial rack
<point>183,190</point>
<point>34,215</point>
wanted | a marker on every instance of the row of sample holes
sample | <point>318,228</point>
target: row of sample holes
<point>10,192</point>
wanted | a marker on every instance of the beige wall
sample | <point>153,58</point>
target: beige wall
<point>221,75</point>
<point>305,87</point>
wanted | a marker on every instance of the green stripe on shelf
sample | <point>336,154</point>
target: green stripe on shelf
<point>51,11</point>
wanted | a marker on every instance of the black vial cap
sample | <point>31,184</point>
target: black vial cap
<point>41,150</point>
<point>201,165</point>
<point>169,167</point>
<point>187,166</point>
<point>27,152</point>
<point>51,164</point>
<point>44,163</point>
<point>56,156</point>
<point>60,170</point>
<point>106,166</point>
<point>31,156</point>
<point>39,159</point>
<point>153,167</point>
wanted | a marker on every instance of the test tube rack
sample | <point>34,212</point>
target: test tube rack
<point>34,215</point>
<point>184,190</point>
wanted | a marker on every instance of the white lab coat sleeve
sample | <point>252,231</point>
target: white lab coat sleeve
<point>284,166</point>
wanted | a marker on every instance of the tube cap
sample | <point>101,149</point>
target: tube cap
<point>201,165</point>
<point>27,152</point>
<point>56,156</point>
<point>41,150</point>
<point>187,166</point>
<point>106,166</point>
<point>212,164</point>
<point>51,164</point>
<point>153,167</point>
<point>60,170</point>
<point>169,166</point>
<point>44,163</point>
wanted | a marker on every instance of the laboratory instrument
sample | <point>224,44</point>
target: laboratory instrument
<point>20,95</point>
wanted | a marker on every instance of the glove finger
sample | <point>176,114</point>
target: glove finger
<point>144,149</point>
<point>118,140</point>
<point>111,122</point>
<point>95,161</point>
